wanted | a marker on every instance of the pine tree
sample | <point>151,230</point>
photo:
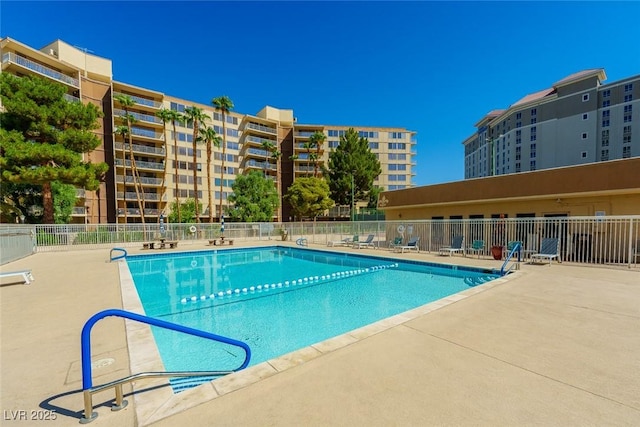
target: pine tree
<point>352,160</point>
<point>43,136</point>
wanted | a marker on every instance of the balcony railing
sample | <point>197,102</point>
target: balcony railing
<point>304,134</point>
<point>138,116</point>
<point>80,193</point>
<point>147,197</point>
<point>143,179</point>
<point>141,101</point>
<point>261,165</point>
<point>257,140</point>
<point>262,128</point>
<point>39,68</point>
<point>258,152</point>
<point>141,148</point>
<point>71,98</point>
<point>145,132</point>
<point>134,211</point>
<point>140,164</point>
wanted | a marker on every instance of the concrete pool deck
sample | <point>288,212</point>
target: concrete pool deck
<point>555,345</point>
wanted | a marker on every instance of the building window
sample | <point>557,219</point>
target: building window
<point>585,97</point>
<point>534,120</point>
<point>585,116</point>
<point>604,155</point>
<point>583,154</point>
<point>626,139</point>
<point>532,165</point>
<point>627,117</point>
<point>518,167</point>
<point>626,152</point>
<point>626,129</point>
<point>373,145</point>
<point>585,135</point>
<point>628,108</point>
<point>606,103</point>
<point>628,87</point>
<point>606,113</point>
<point>628,98</point>
<point>397,146</point>
<point>333,144</point>
<point>396,135</point>
<point>518,116</point>
<point>605,123</point>
<point>606,93</point>
<point>534,111</point>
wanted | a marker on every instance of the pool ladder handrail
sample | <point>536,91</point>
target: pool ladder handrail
<point>123,255</point>
<point>516,248</point>
<point>87,381</point>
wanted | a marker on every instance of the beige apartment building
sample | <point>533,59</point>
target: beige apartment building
<point>160,162</point>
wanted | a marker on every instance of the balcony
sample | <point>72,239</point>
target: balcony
<point>260,165</point>
<point>11,57</point>
<point>71,98</point>
<point>256,140</point>
<point>147,197</point>
<point>141,101</point>
<point>141,148</point>
<point>140,164</point>
<point>305,169</point>
<point>149,118</point>
<point>79,211</point>
<point>261,128</point>
<point>144,180</point>
<point>136,212</point>
<point>80,193</point>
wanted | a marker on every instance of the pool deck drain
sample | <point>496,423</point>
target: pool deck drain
<point>551,346</point>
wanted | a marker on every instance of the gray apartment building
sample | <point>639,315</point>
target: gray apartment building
<point>577,120</point>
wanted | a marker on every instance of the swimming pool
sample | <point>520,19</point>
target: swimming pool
<point>279,299</point>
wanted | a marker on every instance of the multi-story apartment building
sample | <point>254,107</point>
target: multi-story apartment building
<point>576,121</point>
<point>166,168</point>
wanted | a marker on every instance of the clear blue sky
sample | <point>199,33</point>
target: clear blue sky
<point>432,67</point>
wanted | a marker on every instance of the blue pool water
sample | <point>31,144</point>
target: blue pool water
<point>278,300</point>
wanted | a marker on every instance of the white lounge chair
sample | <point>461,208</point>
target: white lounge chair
<point>549,249</point>
<point>365,243</point>
<point>412,244</point>
<point>26,275</point>
<point>456,246</point>
<point>347,241</point>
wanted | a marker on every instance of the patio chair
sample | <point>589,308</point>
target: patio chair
<point>412,244</point>
<point>456,246</point>
<point>477,246</point>
<point>344,242</point>
<point>26,275</point>
<point>365,243</point>
<point>549,249</point>
<point>396,242</point>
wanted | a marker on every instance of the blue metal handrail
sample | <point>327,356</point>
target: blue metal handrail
<point>516,248</point>
<point>85,343</point>
<point>112,258</point>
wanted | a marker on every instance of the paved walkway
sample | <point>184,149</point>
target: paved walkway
<point>556,345</point>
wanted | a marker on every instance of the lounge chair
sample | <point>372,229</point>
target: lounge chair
<point>365,243</point>
<point>26,275</point>
<point>396,242</point>
<point>456,246</point>
<point>347,241</point>
<point>412,244</point>
<point>477,246</point>
<point>549,249</point>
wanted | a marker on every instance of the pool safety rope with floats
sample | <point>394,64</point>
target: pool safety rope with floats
<point>286,284</point>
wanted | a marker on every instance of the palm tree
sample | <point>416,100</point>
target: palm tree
<point>308,145</point>
<point>210,137</point>
<point>173,117</point>
<point>317,139</point>
<point>268,147</point>
<point>126,101</point>
<point>195,116</point>
<point>224,104</point>
<point>123,131</point>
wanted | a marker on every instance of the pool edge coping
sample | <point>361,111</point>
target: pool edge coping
<point>155,400</point>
